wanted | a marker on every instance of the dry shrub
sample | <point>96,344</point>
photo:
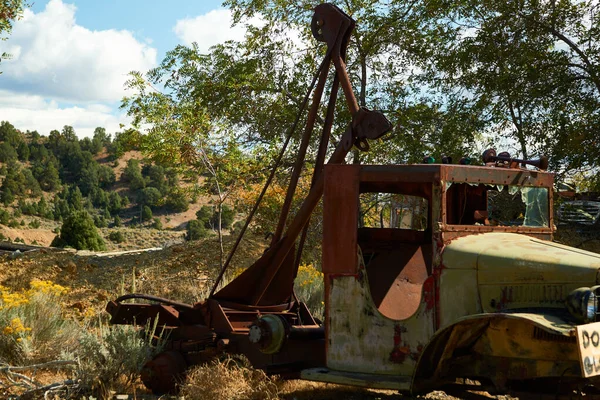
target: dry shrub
<point>111,357</point>
<point>229,380</point>
<point>32,326</point>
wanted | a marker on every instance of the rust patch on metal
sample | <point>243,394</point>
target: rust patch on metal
<point>429,293</point>
<point>400,350</point>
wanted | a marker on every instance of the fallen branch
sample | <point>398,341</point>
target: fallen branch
<point>47,389</point>
<point>56,363</point>
<point>17,379</point>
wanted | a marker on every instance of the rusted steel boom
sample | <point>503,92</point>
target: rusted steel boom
<point>269,280</point>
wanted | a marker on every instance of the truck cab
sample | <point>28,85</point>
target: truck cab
<point>435,272</point>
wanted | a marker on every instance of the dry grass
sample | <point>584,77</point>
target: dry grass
<point>306,390</point>
<point>229,379</point>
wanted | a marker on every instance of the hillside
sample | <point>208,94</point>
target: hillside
<point>134,203</point>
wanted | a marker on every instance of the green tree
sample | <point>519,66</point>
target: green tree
<point>114,203</point>
<point>205,215</point>
<point>157,224</point>
<point>61,208</point>
<point>177,201</point>
<point>46,173</point>
<point>133,175</point>
<point>156,177</point>
<point>150,196</point>
<point>10,11</point>
<point>7,152</point>
<point>100,198</point>
<point>23,151</point>
<point>78,231</point>
<point>100,137</point>
<point>9,134</point>
<point>146,213</point>
<point>74,198</point>
<point>68,133</point>
<point>529,68</point>
<point>87,180</point>
<point>196,230</point>
<point>43,209</point>
<point>34,137</point>
<point>4,216</point>
<point>106,176</point>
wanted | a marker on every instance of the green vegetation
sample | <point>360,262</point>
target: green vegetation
<point>34,331</point>
<point>209,217</point>
<point>116,236</point>
<point>10,11</point>
<point>57,176</point>
<point>33,328</point>
<point>78,231</point>
<point>196,230</point>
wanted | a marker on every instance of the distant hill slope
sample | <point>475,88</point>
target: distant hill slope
<point>86,164</point>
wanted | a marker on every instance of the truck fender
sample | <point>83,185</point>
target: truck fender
<point>462,334</point>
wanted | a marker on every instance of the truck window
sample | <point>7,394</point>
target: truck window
<point>496,205</point>
<point>396,250</point>
<point>391,210</point>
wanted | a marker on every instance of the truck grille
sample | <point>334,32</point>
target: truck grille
<point>540,334</point>
<point>579,212</point>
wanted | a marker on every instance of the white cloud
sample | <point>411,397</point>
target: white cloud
<point>32,112</point>
<point>211,28</point>
<point>55,57</point>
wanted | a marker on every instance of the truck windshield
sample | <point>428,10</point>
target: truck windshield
<point>496,205</point>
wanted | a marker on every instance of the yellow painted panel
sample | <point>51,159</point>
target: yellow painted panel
<point>459,295</point>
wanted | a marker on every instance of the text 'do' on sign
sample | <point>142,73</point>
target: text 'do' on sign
<point>588,342</point>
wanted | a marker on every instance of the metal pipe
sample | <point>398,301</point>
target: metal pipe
<point>312,115</point>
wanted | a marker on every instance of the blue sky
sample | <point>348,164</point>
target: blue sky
<point>71,57</point>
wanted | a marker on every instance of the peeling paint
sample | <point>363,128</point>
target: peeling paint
<point>399,352</point>
<point>429,293</point>
<point>363,340</point>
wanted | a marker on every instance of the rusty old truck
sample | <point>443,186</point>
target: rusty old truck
<point>451,278</point>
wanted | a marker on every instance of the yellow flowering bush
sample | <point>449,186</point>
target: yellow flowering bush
<point>15,327</point>
<point>9,299</point>
<point>308,275</point>
<point>32,326</point>
<point>46,287</point>
<point>309,288</point>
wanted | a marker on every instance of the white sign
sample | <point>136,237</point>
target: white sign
<point>588,342</point>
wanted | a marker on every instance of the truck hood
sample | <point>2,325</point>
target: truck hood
<point>517,271</point>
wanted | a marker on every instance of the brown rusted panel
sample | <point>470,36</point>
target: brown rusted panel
<point>191,332</point>
<point>382,174</point>
<point>340,221</point>
<point>217,318</point>
<point>396,278</point>
<point>499,176</point>
<point>378,238</point>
